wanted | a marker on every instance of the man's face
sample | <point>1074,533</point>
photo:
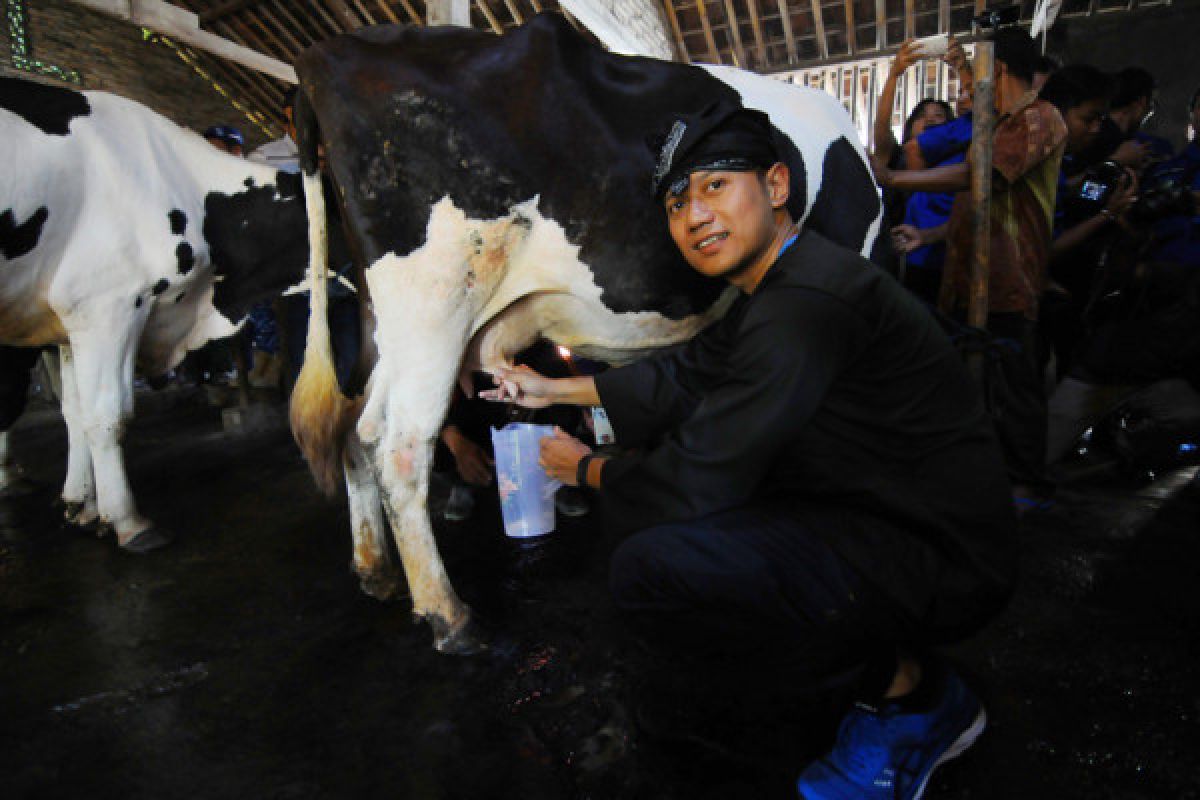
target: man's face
<point>1083,123</point>
<point>724,222</point>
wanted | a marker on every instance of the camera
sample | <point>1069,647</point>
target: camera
<point>997,17</point>
<point>1099,183</point>
<point>1165,195</point>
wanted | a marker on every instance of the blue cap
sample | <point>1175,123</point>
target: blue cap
<point>226,133</point>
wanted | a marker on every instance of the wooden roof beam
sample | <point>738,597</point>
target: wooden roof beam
<point>819,29</point>
<point>713,54</point>
<point>673,19</point>
<point>491,18</point>
<point>363,13</point>
<point>347,18</point>
<point>785,17</point>
<point>756,24</point>
<point>851,29</point>
<point>880,24</point>
<point>943,16</point>
<point>297,27</point>
<point>738,51</point>
<point>387,12</point>
<point>292,41</point>
<point>910,22</point>
<point>514,12</point>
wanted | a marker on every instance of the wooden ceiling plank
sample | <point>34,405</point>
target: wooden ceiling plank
<point>302,31</point>
<point>278,48</point>
<point>387,12</point>
<point>818,16</point>
<point>682,54</point>
<point>537,6</point>
<point>490,17</point>
<point>363,13</point>
<point>756,24</point>
<point>514,12</point>
<point>713,55</point>
<point>910,21</point>
<point>331,23</point>
<point>268,94</point>
<point>350,21</point>
<point>222,9</point>
<point>295,43</point>
<point>735,29</point>
<point>257,95</point>
<point>785,17</point>
<point>880,24</point>
<point>851,29</point>
<point>412,12</point>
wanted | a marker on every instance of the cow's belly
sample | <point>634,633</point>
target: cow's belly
<point>26,319</point>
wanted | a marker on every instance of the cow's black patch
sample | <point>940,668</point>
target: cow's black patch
<point>259,243</point>
<point>248,183</point>
<point>49,108</point>
<point>137,301</point>
<point>179,296</point>
<point>160,287</point>
<point>847,202</point>
<point>178,221</point>
<point>491,135</point>
<point>17,240</point>
<point>185,258</point>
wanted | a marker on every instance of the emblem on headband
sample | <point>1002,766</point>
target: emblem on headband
<point>678,128</point>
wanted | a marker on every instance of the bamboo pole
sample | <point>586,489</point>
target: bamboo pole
<point>981,185</point>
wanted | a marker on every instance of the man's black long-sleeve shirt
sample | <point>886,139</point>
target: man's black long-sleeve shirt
<point>831,389</point>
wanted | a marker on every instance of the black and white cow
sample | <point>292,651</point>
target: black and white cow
<point>124,237</point>
<point>497,189</point>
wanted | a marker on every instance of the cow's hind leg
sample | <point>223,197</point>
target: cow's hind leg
<point>79,489</point>
<point>377,575</point>
<point>103,373</point>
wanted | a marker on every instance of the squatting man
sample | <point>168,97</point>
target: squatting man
<point>817,494</point>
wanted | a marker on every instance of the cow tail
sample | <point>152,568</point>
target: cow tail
<point>320,414</point>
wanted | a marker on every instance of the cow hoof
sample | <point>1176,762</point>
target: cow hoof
<point>82,515</point>
<point>381,585</point>
<point>467,640</point>
<point>150,539</point>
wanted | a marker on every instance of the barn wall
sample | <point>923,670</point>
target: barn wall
<point>1161,40</point>
<point>113,56</point>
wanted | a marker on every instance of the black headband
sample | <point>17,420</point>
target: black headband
<point>721,137</point>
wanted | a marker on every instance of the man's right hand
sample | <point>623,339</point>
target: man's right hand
<point>1132,153</point>
<point>522,386</point>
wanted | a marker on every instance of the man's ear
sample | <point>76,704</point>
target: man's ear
<point>779,184</point>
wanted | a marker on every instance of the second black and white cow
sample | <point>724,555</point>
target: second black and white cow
<point>125,238</point>
<point>496,189</point>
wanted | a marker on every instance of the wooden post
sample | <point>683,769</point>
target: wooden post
<point>981,182</point>
<point>448,12</point>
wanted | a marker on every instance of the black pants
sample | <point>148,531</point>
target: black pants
<point>753,601</point>
<point>1016,399</point>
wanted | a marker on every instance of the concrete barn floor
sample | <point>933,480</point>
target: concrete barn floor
<point>244,662</point>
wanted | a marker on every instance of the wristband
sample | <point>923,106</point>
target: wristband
<point>581,470</point>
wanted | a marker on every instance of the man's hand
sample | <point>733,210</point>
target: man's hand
<point>906,56</point>
<point>1132,153</point>
<point>956,57</point>
<point>472,462</point>
<point>1124,196</point>
<point>906,238</point>
<point>560,455</point>
<point>520,385</point>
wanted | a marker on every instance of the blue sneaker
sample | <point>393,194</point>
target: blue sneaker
<point>889,754</point>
